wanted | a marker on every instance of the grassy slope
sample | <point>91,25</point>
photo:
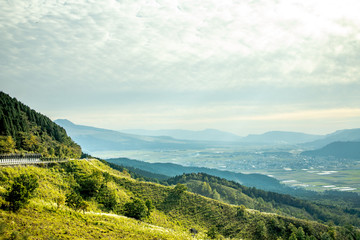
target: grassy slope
<point>42,219</point>
<point>234,193</point>
<point>41,222</point>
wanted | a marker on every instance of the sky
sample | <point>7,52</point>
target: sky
<point>235,65</point>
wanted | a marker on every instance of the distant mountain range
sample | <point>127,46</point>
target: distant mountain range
<point>346,135</point>
<point>280,137</point>
<point>97,139</point>
<point>204,135</point>
<point>268,138</point>
<point>337,149</point>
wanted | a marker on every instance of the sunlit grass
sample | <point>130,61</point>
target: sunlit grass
<point>43,218</point>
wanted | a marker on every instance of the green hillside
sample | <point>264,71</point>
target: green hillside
<point>334,210</point>
<point>259,181</point>
<point>48,216</point>
<point>87,199</point>
<point>341,208</point>
<point>23,130</point>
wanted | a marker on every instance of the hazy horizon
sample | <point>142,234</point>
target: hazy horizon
<point>243,67</point>
<point>204,129</point>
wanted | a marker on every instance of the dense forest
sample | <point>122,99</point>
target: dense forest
<point>23,130</point>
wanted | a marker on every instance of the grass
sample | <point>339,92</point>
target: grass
<point>39,221</point>
<point>44,219</point>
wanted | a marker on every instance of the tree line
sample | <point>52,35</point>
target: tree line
<point>22,129</point>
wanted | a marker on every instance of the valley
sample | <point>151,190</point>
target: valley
<point>182,189</point>
<point>292,169</point>
<point>298,160</point>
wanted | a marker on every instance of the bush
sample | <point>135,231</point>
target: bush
<point>106,197</point>
<point>75,201</point>
<point>212,233</point>
<point>89,185</point>
<point>21,191</point>
<point>241,212</point>
<point>2,227</point>
<point>136,209</point>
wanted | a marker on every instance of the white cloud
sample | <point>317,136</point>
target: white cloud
<point>181,51</point>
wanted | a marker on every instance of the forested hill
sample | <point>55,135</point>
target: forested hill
<point>23,130</point>
<point>265,201</point>
<point>251,180</point>
<point>337,149</point>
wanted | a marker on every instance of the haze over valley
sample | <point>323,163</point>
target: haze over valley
<point>296,159</point>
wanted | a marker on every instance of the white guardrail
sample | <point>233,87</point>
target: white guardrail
<point>6,160</point>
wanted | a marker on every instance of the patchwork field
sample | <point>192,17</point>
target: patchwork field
<point>318,180</point>
<point>294,170</point>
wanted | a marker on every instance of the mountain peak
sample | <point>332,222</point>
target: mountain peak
<point>64,122</point>
<point>283,137</point>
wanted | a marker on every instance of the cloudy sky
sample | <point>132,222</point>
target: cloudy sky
<point>235,65</point>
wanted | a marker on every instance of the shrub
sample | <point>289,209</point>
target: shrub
<point>241,212</point>
<point>75,201</point>
<point>136,209</point>
<point>89,185</point>
<point>212,233</point>
<point>21,191</point>
<point>106,197</point>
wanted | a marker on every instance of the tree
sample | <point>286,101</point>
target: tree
<point>332,232</point>
<point>107,177</point>
<point>261,230</point>
<point>89,185</point>
<point>293,236</point>
<point>106,197</point>
<point>241,212</point>
<point>7,144</point>
<point>212,233</point>
<point>175,195</point>
<point>179,189</point>
<point>74,200</point>
<point>300,234</point>
<point>32,131</point>
<point>21,191</point>
<point>325,236</point>
<point>150,206</point>
<point>216,195</point>
<point>136,209</point>
<point>206,189</point>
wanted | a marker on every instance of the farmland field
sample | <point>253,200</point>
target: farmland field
<point>292,169</point>
<point>342,180</point>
